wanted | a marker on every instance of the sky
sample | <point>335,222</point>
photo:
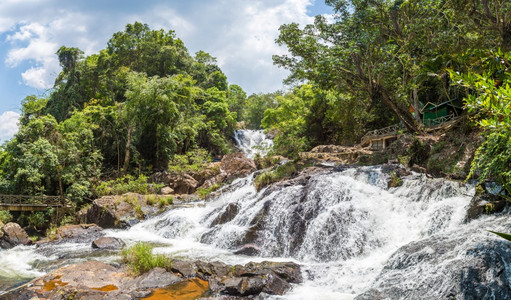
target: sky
<point>239,33</point>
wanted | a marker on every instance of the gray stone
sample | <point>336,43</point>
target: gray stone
<point>14,235</point>
<point>108,243</point>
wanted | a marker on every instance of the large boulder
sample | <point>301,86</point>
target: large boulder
<point>468,263</point>
<point>236,165</point>
<point>13,235</point>
<point>180,183</point>
<point>82,233</point>
<point>119,211</point>
<point>485,203</point>
<point>108,243</point>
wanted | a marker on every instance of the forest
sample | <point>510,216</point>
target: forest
<point>134,107</point>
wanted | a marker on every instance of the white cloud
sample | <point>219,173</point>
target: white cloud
<point>8,125</point>
<point>240,34</point>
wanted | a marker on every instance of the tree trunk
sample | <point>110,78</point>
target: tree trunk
<point>128,152</point>
<point>404,116</point>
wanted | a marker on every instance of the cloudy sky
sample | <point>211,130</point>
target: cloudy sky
<point>240,33</point>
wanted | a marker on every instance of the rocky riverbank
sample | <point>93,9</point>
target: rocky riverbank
<point>98,280</point>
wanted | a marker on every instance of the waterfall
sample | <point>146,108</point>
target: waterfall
<point>353,236</point>
<point>253,142</point>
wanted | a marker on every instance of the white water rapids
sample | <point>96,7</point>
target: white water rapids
<point>342,226</point>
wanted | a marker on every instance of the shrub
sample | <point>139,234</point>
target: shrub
<point>37,219</point>
<point>126,184</point>
<point>140,258</point>
<point>203,193</point>
<point>277,174</point>
<point>5,216</point>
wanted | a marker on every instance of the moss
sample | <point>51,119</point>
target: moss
<point>395,180</point>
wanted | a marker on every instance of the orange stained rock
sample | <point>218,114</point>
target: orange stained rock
<point>190,289</point>
<point>52,284</point>
<point>107,288</point>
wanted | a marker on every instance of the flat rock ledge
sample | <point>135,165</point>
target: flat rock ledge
<point>98,280</point>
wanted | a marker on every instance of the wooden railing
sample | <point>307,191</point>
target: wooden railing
<point>42,200</point>
<point>390,130</point>
<point>439,120</point>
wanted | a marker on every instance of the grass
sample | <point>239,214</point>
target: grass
<point>203,193</point>
<point>140,258</point>
<point>164,201</point>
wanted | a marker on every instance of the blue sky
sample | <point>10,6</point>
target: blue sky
<point>240,33</point>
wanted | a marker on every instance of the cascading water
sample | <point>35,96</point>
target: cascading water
<point>253,142</point>
<point>351,233</point>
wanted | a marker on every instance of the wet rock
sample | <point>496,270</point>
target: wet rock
<point>230,212</point>
<point>156,278</point>
<point>108,243</point>
<point>456,265</point>
<point>186,269</point>
<point>98,280</point>
<point>82,233</point>
<point>249,250</point>
<point>13,235</point>
<point>485,203</point>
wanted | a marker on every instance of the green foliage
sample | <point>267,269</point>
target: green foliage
<point>279,173</point>
<point>5,216</point>
<point>140,258</point>
<point>164,201</point>
<point>490,103</point>
<point>502,235</point>
<point>192,161</point>
<point>126,184</point>
<point>203,193</point>
<point>37,219</point>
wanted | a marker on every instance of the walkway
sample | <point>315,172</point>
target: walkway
<point>32,203</point>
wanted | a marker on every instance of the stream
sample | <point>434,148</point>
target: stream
<point>353,236</point>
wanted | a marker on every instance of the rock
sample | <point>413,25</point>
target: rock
<point>184,184</point>
<point>108,243</point>
<point>120,211</point>
<point>82,233</point>
<point>98,280</point>
<point>468,263</point>
<point>166,190</point>
<point>230,212</point>
<point>485,203</point>
<point>249,250</point>
<point>13,235</point>
<point>186,269</point>
<point>156,278</point>
<point>236,165</point>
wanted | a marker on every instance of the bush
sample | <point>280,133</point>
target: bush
<point>203,193</point>
<point>277,174</point>
<point>5,216</point>
<point>37,219</point>
<point>141,259</point>
<point>125,185</point>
